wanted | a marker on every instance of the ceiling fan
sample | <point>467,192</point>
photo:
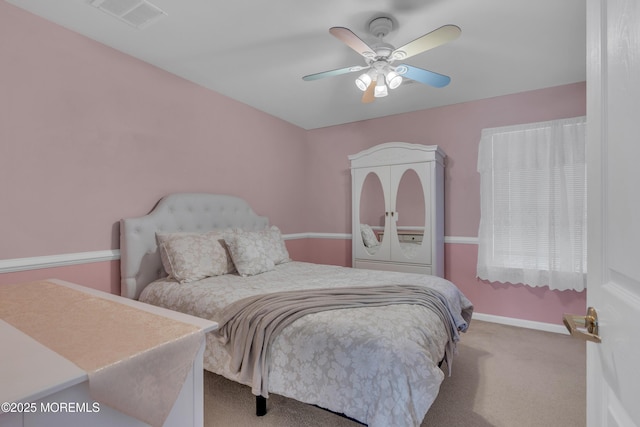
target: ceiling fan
<point>380,73</point>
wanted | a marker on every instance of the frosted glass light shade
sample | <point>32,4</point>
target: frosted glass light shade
<point>393,79</point>
<point>381,88</point>
<point>363,81</point>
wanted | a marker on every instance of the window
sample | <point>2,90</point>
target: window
<point>533,204</point>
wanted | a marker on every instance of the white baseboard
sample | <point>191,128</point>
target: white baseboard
<point>529,324</point>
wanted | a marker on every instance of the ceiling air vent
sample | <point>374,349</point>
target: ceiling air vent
<point>137,13</point>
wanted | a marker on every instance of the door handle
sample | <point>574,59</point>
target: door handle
<point>575,325</point>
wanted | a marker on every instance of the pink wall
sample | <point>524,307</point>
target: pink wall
<point>104,276</point>
<point>89,136</point>
<point>504,299</point>
<point>321,251</point>
<point>456,129</point>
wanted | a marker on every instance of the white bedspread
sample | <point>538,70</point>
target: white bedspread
<point>378,365</point>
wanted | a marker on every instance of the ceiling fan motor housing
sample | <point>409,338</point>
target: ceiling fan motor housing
<point>380,27</point>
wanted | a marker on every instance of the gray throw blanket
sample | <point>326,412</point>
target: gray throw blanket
<point>248,326</point>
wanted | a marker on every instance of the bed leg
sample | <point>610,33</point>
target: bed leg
<point>261,406</point>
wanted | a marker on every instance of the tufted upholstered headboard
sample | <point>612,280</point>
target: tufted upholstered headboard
<point>140,262</point>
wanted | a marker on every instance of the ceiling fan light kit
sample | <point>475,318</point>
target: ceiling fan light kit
<point>381,88</point>
<point>363,81</point>
<point>381,75</point>
<point>393,79</point>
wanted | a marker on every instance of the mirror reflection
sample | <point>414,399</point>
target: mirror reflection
<point>372,213</point>
<point>410,217</point>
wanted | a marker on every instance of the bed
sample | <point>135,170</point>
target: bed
<point>375,363</point>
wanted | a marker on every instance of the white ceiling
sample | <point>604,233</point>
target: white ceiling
<point>257,51</point>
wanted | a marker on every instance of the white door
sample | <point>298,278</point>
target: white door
<point>613,144</point>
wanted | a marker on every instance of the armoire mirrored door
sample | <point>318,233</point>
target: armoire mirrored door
<point>373,207</point>
<point>411,214</point>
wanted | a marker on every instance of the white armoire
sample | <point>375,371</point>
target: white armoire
<point>398,208</point>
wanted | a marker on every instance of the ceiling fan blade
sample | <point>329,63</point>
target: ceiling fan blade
<point>430,40</point>
<point>347,37</point>
<point>368,96</point>
<point>332,73</point>
<point>423,76</point>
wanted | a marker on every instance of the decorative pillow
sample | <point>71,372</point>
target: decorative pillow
<point>368,236</point>
<point>161,239</point>
<point>249,253</point>
<point>274,244</point>
<point>190,256</point>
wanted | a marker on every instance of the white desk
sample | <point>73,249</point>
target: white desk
<point>37,380</point>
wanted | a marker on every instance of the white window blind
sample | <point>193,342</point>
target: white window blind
<point>533,204</point>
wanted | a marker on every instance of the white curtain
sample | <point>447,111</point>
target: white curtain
<point>533,204</point>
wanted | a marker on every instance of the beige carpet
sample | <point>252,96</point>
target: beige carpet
<point>502,376</point>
